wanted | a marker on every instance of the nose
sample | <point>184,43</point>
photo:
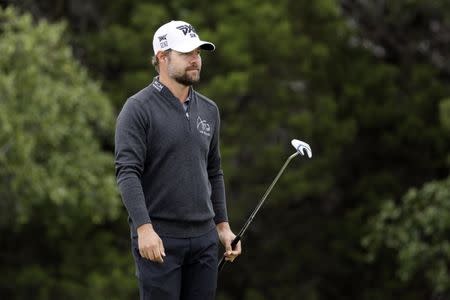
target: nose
<point>195,55</point>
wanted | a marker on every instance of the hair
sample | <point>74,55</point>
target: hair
<point>155,60</point>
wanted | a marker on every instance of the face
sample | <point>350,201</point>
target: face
<point>184,68</point>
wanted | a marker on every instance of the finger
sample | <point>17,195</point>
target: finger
<point>230,258</point>
<point>227,244</point>
<point>229,250</point>
<point>228,247</point>
<point>161,248</point>
<point>157,255</point>
<point>237,250</point>
<point>235,253</point>
<point>144,253</point>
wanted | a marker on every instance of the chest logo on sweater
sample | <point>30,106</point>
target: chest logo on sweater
<point>203,127</point>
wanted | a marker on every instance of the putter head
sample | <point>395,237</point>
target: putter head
<point>301,146</point>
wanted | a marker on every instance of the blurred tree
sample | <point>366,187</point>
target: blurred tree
<point>403,31</point>
<point>57,186</point>
<point>417,230</point>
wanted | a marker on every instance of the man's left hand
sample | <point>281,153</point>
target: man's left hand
<point>226,236</point>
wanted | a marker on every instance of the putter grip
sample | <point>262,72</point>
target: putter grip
<point>233,244</point>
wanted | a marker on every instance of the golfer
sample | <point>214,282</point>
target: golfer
<point>169,174</point>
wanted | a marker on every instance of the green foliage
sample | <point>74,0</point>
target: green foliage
<point>57,184</point>
<point>444,114</point>
<point>444,110</point>
<point>417,229</point>
<point>53,120</point>
<point>125,58</point>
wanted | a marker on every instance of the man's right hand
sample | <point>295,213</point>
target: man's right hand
<point>150,244</point>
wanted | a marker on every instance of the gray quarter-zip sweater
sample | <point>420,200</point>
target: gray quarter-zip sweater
<point>168,165</point>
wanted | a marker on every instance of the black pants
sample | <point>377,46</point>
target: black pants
<point>189,271</point>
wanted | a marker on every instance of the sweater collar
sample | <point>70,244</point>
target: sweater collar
<point>160,87</point>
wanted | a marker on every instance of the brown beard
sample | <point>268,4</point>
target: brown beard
<point>186,80</point>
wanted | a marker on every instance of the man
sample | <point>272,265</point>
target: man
<point>169,174</point>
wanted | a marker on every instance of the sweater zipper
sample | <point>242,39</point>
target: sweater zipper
<point>186,117</point>
<point>188,120</point>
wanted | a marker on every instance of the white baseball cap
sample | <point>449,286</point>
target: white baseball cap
<point>179,36</point>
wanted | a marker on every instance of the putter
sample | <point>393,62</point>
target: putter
<point>300,147</point>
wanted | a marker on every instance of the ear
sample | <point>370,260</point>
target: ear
<point>162,56</point>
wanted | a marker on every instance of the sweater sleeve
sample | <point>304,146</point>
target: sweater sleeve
<point>215,175</point>
<point>130,153</point>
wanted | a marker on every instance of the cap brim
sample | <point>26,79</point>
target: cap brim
<point>184,48</point>
<point>207,46</point>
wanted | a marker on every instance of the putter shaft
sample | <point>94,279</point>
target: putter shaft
<point>255,211</point>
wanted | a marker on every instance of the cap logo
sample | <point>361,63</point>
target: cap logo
<point>163,41</point>
<point>187,29</point>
